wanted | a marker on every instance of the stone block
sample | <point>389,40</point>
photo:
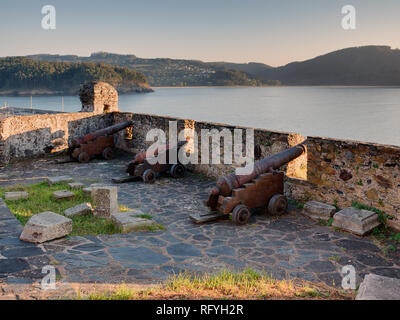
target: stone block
<point>376,287</point>
<point>63,195</point>
<point>46,226</point>
<point>355,221</point>
<point>60,179</point>
<point>76,185</point>
<point>129,221</point>
<point>16,195</point>
<point>79,210</point>
<point>105,201</point>
<point>318,210</point>
<point>87,191</point>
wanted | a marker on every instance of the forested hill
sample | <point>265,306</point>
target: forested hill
<point>19,75</point>
<point>368,65</point>
<point>170,72</point>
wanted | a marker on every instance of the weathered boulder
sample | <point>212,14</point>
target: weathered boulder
<point>318,210</point>
<point>376,287</point>
<point>79,210</point>
<point>105,201</point>
<point>356,221</point>
<point>46,226</point>
<point>16,195</point>
<point>63,195</point>
<point>60,179</point>
<point>129,221</point>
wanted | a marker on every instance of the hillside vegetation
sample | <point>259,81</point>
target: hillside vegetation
<point>369,65</point>
<point>19,75</point>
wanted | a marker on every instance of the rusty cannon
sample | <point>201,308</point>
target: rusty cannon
<point>262,188</point>
<point>100,142</point>
<point>142,166</point>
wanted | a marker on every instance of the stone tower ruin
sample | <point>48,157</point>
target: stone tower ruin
<point>98,97</point>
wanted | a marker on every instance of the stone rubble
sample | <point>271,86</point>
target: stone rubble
<point>129,221</point>
<point>59,179</point>
<point>356,221</point>
<point>318,210</point>
<point>76,185</point>
<point>16,195</point>
<point>79,210</point>
<point>46,226</point>
<point>375,287</point>
<point>63,195</point>
<point>105,201</point>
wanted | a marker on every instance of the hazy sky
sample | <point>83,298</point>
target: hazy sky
<point>272,32</point>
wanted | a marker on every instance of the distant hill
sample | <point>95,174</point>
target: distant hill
<point>23,76</point>
<point>368,65</point>
<point>168,72</point>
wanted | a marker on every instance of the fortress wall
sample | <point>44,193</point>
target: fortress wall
<point>333,171</point>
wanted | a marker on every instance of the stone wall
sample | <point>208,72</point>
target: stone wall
<point>35,135</point>
<point>333,171</point>
<point>340,172</point>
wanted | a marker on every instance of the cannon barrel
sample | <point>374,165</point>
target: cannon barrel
<point>227,183</point>
<point>102,132</point>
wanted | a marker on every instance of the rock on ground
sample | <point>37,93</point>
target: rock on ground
<point>80,209</point>
<point>46,226</point>
<point>355,221</point>
<point>63,195</point>
<point>129,221</point>
<point>60,179</point>
<point>76,185</point>
<point>376,287</point>
<point>318,210</point>
<point>16,195</point>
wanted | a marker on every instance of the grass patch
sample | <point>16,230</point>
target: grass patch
<point>248,284</point>
<point>40,199</point>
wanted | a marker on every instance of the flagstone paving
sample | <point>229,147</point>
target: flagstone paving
<point>292,246</point>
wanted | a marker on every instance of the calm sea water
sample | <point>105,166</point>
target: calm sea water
<point>358,113</point>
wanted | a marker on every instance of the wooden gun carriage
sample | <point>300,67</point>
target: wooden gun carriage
<point>147,168</point>
<point>262,188</point>
<point>100,142</point>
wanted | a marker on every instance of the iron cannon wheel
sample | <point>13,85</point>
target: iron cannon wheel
<point>108,153</point>
<point>178,170</point>
<point>277,205</point>
<point>83,157</point>
<point>240,214</point>
<point>149,176</point>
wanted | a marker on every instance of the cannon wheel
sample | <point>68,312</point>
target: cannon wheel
<point>240,214</point>
<point>83,157</point>
<point>277,205</point>
<point>108,153</point>
<point>149,176</point>
<point>177,170</point>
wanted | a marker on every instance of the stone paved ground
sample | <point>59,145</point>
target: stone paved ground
<point>286,247</point>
